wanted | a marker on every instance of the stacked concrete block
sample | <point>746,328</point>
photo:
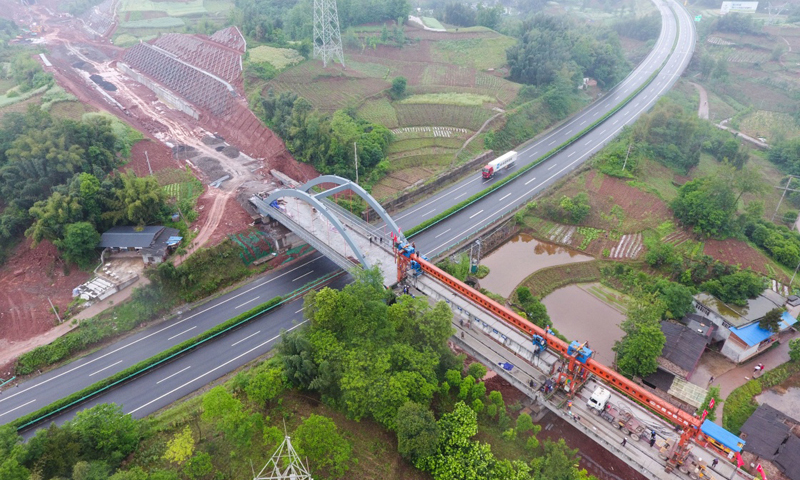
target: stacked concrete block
<point>230,37</point>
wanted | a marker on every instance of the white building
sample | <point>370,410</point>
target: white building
<point>738,326</point>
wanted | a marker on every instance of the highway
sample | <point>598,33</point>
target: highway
<point>180,377</point>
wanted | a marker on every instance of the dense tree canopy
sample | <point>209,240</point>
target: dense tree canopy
<point>553,47</point>
<point>643,341</point>
<point>735,288</point>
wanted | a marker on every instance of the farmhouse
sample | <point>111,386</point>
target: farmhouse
<point>738,326</point>
<point>772,437</point>
<point>153,243</point>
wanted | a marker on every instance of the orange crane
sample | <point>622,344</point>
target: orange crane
<point>579,366</point>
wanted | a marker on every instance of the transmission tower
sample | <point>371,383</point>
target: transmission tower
<point>327,38</point>
<point>285,464</point>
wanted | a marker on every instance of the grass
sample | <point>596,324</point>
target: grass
<point>763,123</point>
<point>413,144</point>
<point>55,95</point>
<point>279,58</point>
<point>432,23</point>
<point>161,22</point>
<point>10,98</point>
<point>5,84</point>
<point>545,281</point>
<point>480,53</point>
<point>609,296</point>
<point>452,98</point>
<point>71,110</point>
<point>470,118</point>
<point>173,9</point>
<point>125,40</point>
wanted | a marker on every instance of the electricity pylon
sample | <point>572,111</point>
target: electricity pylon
<point>327,38</point>
<point>285,464</point>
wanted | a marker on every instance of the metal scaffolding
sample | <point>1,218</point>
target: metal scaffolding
<point>285,464</point>
<point>327,38</point>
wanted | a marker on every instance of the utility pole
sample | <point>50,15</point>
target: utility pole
<point>630,146</point>
<point>148,162</point>
<point>355,153</point>
<point>785,189</point>
<point>54,310</point>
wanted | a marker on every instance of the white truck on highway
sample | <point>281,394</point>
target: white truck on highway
<point>502,162</point>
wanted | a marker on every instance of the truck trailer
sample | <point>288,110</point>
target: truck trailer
<point>621,418</point>
<point>502,162</point>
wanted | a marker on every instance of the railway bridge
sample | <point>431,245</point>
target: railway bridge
<point>524,354</point>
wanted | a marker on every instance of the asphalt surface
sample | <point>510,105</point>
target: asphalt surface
<point>154,390</point>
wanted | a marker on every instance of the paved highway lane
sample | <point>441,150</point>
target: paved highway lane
<point>475,217</point>
<point>41,390</point>
<point>157,389</point>
<point>144,395</point>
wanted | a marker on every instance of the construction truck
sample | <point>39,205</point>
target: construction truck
<point>600,404</point>
<point>502,162</point>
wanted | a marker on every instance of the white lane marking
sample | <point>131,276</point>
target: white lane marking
<point>615,121</point>
<point>569,132</point>
<point>17,408</point>
<point>551,143</point>
<point>529,181</point>
<point>165,379</point>
<point>587,143</point>
<point>583,122</point>
<point>476,214</point>
<point>245,303</point>
<point>4,398</point>
<point>249,336</point>
<point>456,198</point>
<point>179,334</point>
<point>571,154</point>
<point>303,275</point>
<point>298,311</point>
<point>426,214</point>
<point>213,369</point>
<point>437,236</point>
<point>105,368</point>
<point>551,166</point>
<point>604,131</point>
<point>508,195</point>
<point>436,199</point>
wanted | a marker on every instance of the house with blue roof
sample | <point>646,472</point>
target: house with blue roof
<point>738,328</point>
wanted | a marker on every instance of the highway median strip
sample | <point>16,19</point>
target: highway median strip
<point>419,228</point>
<point>156,360</point>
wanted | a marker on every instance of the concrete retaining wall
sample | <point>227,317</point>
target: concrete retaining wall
<point>172,100</point>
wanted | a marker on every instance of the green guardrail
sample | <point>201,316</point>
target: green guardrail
<point>474,198</point>
<point>156,360</point>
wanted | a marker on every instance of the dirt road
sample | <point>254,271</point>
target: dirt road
<point>702,109</point>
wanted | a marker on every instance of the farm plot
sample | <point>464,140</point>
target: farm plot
<point>747,55</point>
<point>628,248</point>
<point>450,98</point>
<point>173,9</point>
<point>484,52</point>
<point>279,58</point>
<point>438,74</point>
<point>423,132</point>
<point>415,144</point>
<point>737,252</point>
<point>764,123</point>
<point>470,118</point>
<point>160,22</point>
<point>379,111</point>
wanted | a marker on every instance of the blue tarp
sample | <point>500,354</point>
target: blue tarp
<point>174,241</point>
<point>722,436</point>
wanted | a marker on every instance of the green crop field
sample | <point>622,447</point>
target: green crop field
<point>279,58</point>
<point>160,22</point>
<point>470,118</point>
<point>451,98</point>
<point>481,53</point>
<point>379,111</point>
<point>173,9</point>
<point>417,144</point>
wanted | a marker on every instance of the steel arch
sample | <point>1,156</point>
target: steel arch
<point>312,200</point>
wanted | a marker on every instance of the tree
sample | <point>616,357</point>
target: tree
<point>417,432</point>
<point>576,208</point>
<point>318,439</point>
<point>735,288</point>
<point>79,244</point>
<point>265,385</point>
<point>677,299</point>
<point>794,350</point>
<point>558,463</point>
<point>140,200</point>
<point>84,470</point>
<point>398,87</point>
<point>643,342</point>
<point>707,204</point>
<point>52,216</point>
<point>106,433</point>
<point>11,451</point>
<point>772,320</point>
<point>181,447</point>
<point>534,309</point>
<point>476,370</point>
<point>524,423</point>
<point>198,466</point>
